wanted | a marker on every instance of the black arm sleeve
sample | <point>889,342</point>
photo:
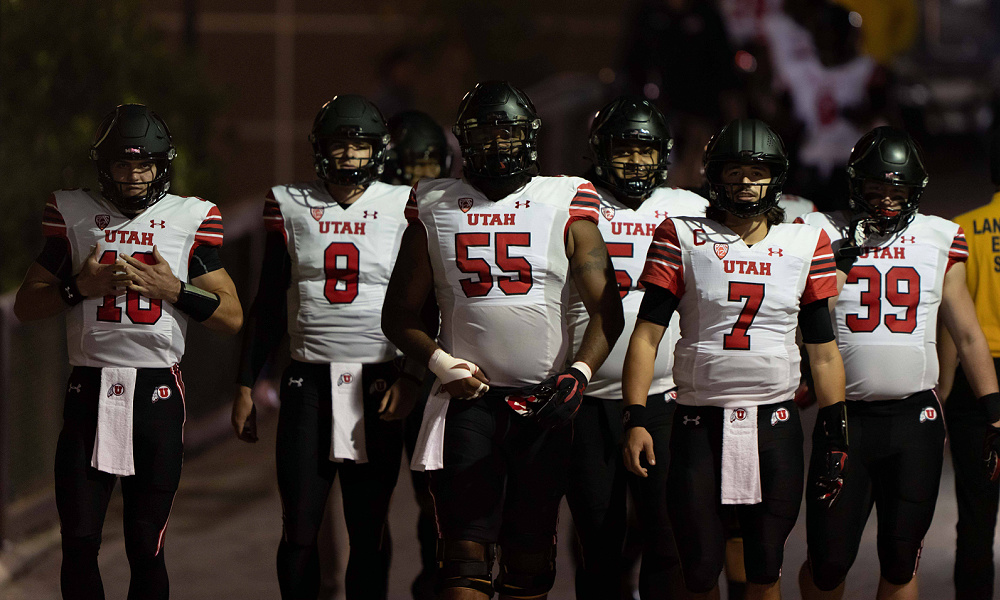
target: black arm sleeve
<point>204,259</point>
<point>658,304</point>
<point>55,258</point>
<point>266,323</point>
<point>815,322</point>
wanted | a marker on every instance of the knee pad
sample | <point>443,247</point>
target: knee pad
<point>899,567</point>
<point>84,547</point>
<point>701,578</point>
<point>465,564</point>
<point>526,572</point>
<point>827,575</point>
<point>142,542</point>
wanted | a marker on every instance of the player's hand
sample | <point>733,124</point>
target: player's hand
<point>154,281</point>
<point>565,395</point>
<point>830,438</point>
<point>244,416</point>
<point>95,280</point>
<point>637,442</point>
<point>991,452</point>
<point>399,400</point>
<point>804,396</point>
<point>461,379</point>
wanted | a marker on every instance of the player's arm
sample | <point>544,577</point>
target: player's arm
<point>947,361</point>
<point>959,315</point>
<point>594,276</point>
<point>409,287</point>
<point>265,327</point>
<point>655,311</point>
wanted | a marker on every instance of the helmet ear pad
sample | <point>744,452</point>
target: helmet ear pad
<point>344,119</point>
<point>630,120</point>
<point>495,105</point>
<point>132,132</point>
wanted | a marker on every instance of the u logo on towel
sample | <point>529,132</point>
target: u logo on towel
<point>738,414</point>
<point>116,390</point>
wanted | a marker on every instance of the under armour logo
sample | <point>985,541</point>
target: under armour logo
<point>903,239</point>
<point>69,292</point>
<point>775,251</point>
<point>295,382</point>
<point>153,224</point>
<point>374,214</point>
<point>660,214</point>
<point>517,204</point>
<point>75,388</point>
<point>695,420</point>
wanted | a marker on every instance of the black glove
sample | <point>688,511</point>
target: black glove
<point>830,438</point>
<point>249,433</point>
<point>553,402</point>
<point>991,453</point>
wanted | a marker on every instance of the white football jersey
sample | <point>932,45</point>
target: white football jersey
<point>627,234</point>
<point>795,207</point>
<point>739,306</point>
<point>886,315</point>
<point>501,272</point>
<point>129,330</point>
<point>341,262</point>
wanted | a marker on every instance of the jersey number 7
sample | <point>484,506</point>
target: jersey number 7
<point>753,294</point>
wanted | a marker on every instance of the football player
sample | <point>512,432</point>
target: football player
<point>978,496</point>
<point>418,149</point>
<point>899,270</point>
<point>630,142</point>
<point>331,245</point>
<point>742,281</point>
<point>499,249</point>
<point>132,264</point>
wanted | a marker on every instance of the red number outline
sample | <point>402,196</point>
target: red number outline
<point>509,285</point>
<point>753,293</point>
<point>622,250</point>
<point>335,274</point>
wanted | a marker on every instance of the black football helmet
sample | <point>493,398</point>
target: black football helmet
<point>745,141</point>
<point>889,156</point>
<point>494,107</point>
<point>344,119</point>
<point>414,136</point>
<point>132,132</point>
<point>634,121</point>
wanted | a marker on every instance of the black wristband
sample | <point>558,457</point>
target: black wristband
<point>634,415</point>
<point>992,404</point>
<point>70,293</point>
<point>196,302</point>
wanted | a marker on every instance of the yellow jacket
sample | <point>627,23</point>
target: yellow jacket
<point>982,231</point>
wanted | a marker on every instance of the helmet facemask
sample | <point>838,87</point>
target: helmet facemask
<point>726,195</point>
<point>633,164</point>
<point>878,219</point>
<point>350,159</point>
<point>499,148</point>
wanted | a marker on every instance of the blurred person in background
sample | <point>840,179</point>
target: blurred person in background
<point>331,245</point>
<point>900,274</point>
<point>630,144</point>
<point>677,54</point>
<point>968,419</point>
<point>499,249</point>
<point>418,149</point>
<point>132,264</point>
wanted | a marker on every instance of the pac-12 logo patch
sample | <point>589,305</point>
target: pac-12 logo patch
<point>102,221</point>
<point>345,378</point>
<point>721,250</point>
<point>161,393</point>
<point>465,204</point>
<point>738,414</point>
<point>608,212</point>
<point>928,414</point>
<point>779,416</point>
<point>116,389</point>
<point>317,212</point>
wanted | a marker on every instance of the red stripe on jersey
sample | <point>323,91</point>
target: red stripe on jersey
<point>959,251</point>
<point>210,233</point>
<point>53,224</point>
<point>822,280</point>
<point>663,266</point>
<point>274,221</point>
<point>585,204</point>
<point>411,212</point>
<point>799,220</point>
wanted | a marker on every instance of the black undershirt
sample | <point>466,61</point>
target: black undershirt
<point>267,320</point>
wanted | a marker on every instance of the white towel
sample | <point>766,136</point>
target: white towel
<point>740,460</point>
<point>347,414</point>
<point>428,455</point>
<point>113,441</point>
